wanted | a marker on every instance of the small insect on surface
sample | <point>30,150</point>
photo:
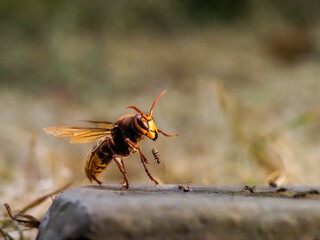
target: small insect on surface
<point>185,189</point>
<point>117,140</point>
<point>156,155</point>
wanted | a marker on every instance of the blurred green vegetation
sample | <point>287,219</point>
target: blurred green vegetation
<point>65,44</point>
<point>57,44</point>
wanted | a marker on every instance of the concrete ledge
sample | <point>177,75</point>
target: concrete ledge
<point>167,212</point>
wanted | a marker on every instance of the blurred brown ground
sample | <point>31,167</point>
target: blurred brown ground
<point>242,80</point>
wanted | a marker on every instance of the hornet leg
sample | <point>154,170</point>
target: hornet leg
<point>96,179</point>
<point>143,158</point>
<point>122,163</point>
<point>125,171</point>
<point>119,162</point>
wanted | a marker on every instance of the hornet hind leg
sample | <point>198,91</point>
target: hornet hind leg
<point>120,164</point>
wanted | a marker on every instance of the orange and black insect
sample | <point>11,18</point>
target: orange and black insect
<point>117,140</point>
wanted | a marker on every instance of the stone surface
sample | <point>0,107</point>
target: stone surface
<point>167,212</point>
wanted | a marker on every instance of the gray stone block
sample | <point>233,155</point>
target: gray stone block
<point>166,212</point>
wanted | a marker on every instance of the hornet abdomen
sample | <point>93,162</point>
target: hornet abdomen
<point>114,145</point>
<point>98,159</point>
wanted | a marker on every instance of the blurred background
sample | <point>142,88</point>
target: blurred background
<point>242,78</point>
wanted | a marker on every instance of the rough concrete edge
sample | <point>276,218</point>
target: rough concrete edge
<point>83,226</point>
<point>56,212</point>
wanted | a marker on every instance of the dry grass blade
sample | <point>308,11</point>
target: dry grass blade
<point>24,219</point>
<point>43,198</point>
<point>31,168</point>
<point>303,119</point>
<point>246,130</point>
<point>5,235</point>
<point>233,109</point>
<point>263,149</point>
<point>28,220</point>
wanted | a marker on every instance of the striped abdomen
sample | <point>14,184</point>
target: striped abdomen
<point>104,151</point>
<point>98,159</point>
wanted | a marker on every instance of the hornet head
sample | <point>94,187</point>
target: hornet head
<point>145,122</point>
